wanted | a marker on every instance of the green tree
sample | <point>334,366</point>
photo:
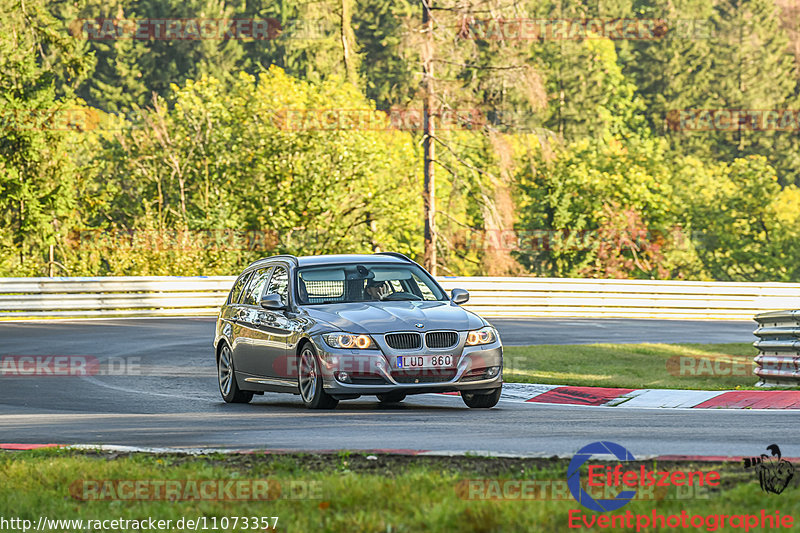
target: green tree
<point>383,35</point>
<point>675,70</point>
<point>725,55</point>
<point>129,70</point>
<point>591,197</point>
<point>745,224</point>
<point>597,205</point>
<point>263,155</point>
<point>40,67</point>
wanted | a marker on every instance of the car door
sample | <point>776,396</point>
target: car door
<point>232,310</point>
<point>277,327</point>
<point>250,342</point>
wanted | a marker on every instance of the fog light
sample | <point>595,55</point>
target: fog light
<point>492,371</point>
<point>342,376</point>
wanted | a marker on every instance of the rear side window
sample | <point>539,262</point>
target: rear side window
<point>255,287</point>
<point>321,285</point>
<point>238,287</point>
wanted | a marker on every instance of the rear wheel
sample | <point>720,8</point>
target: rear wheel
<point>310,381</point>
<point>227,379</point>
<point>481,400</point>
<point>392,397</point>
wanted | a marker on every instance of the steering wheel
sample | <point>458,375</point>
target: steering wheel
<point>399,296</point>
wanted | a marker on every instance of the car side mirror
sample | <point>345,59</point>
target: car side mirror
<point>459,296</point>
<point>272,302</point>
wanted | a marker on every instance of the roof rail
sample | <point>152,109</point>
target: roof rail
<point>395,254</point>
<point>290,257</point>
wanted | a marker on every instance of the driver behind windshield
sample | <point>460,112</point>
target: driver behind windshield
<point>377,290</point>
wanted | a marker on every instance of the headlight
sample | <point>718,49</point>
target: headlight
<point>485,335</point>
<point>349,340</point>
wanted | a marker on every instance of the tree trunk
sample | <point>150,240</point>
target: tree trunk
<point>429,198</point>
<point>347,40</point>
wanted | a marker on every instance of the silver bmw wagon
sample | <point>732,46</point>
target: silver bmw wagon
<point>337,327</point>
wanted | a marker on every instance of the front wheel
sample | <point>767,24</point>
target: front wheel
<point>310,382</point>
<point>481,401</point>
<point>226,377</point>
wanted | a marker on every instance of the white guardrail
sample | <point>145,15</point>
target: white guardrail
<point>490,297</point>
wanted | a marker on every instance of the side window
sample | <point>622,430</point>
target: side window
<point>238,287</point>
<point>279,283</point>
<point>252,294</point>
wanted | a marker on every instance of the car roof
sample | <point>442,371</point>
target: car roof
<point>333,259</point>
<point>311,260</point>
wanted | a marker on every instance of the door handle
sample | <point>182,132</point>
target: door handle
<point>269,321</point>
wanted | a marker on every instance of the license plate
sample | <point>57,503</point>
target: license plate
<point>424,361</point>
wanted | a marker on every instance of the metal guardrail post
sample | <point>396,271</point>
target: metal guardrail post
<point>778,345</point>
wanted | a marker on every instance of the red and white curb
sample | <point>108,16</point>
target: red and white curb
<point>650,398</point>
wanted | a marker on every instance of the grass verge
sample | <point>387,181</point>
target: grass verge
<point>634,366</point>
<point>356,493</point>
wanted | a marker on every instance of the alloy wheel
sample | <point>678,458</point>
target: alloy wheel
<point>308,375</point>
<point>225,371</point>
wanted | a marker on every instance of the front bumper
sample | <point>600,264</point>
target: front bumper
<point>375,371</point>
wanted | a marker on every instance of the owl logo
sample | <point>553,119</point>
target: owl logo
<point>774,473</point>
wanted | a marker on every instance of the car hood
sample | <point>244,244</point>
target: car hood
<point>383,317</point>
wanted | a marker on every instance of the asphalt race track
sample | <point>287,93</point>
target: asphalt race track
<point>164,394</point>
<point>518,332</point>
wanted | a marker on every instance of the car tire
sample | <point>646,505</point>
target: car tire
<point>391,397</point>
<point>480,399</point>
<point>226,377</point>
<point>309,381</point>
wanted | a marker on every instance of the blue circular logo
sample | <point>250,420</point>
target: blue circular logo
<point>574,476</point>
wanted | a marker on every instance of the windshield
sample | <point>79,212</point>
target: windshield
<point>365,282</point>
